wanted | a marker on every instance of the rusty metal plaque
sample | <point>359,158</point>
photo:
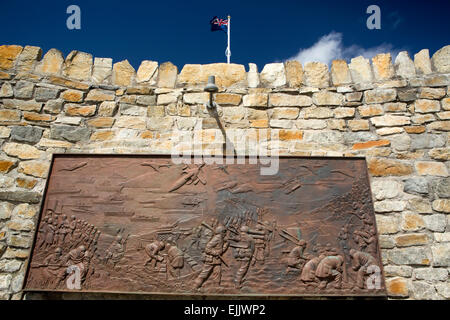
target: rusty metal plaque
<point>142,224</point>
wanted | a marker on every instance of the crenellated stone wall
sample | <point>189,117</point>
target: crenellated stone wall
<point>396,114</point>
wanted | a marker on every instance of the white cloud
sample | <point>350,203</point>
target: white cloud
<point>330,47</point>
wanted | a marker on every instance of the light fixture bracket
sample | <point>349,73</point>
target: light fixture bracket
<point>211,88</point>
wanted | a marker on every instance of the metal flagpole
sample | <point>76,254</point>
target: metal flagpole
<point>228,51</point>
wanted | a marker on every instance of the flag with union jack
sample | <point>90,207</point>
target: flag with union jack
<point>218,24</point>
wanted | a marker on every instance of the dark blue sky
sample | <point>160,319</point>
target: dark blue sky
<point>262,31</point>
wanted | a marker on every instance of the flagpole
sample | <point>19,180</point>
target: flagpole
<point>228,48</point>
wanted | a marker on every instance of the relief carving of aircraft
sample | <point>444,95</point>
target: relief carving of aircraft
<point>189,176</point>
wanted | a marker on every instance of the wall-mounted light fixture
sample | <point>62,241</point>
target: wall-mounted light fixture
<point>211,88</point>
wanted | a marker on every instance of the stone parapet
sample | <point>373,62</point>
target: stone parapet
<point>394,112</point>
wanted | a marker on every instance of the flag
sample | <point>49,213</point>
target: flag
<point>218,24</point>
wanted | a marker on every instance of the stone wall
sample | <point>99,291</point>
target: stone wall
<point>396,114</point>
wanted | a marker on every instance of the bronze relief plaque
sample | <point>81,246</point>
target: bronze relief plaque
<point>142,224</point>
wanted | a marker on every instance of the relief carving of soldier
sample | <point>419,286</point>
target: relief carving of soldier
<point>196,236</point>
<point>308,274</point>
<point>55,270</point>
<point>213,260</point>
<point>366,239</point>
<point>76,233</point>
<point>88,268</point>
<point>92,237</point>
<point>261,240</point>
<point>175,260</point>
<point>116,250</point>
<point>76,256</point>
<point>63,230</point>
<point>360,262</point>
<point>42,232</point>
<point>244,253</point>
<point>72,227</point>
<point>50,233</point>
<point>85,235</point>
<point>153,249</point>
<point>296,259</point>
<point>330,269</point>
<point>50,214</point>
<point>343,237</point>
